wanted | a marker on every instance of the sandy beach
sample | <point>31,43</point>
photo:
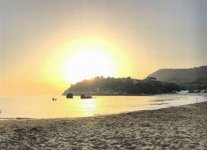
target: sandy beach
<point>183,127</point>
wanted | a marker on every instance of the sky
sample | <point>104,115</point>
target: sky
<point>46,45</point>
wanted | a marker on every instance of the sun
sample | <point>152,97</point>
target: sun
<point>86,63</point>
<point>84,58</point>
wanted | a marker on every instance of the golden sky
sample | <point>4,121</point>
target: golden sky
<point>46,45</point>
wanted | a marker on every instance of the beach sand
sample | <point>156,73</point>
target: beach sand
<point>183,127</point>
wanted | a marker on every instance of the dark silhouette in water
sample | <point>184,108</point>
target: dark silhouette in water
<point>54,99</point>
<point>85,96</point>
<point>69,95</point>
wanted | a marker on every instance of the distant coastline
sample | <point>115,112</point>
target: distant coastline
<point>163,81</point>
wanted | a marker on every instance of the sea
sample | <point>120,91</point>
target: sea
<point>43,107</point>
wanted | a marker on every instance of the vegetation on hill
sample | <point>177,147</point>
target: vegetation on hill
<point>121,86</point>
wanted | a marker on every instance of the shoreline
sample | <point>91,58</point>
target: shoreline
<point>137,94</point>
<point>105,115</point>
<point>167,128</point>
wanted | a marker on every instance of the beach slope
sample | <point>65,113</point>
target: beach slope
<point>183,127</point>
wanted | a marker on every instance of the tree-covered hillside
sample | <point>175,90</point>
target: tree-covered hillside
<point>121,86</point>
<point>192,78</point>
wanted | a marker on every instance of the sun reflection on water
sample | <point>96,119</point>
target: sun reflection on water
<point>87,107</point>
<point>44,107</point>
<point>79,107</point>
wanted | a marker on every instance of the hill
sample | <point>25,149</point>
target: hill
<point>121,86</point>
<point>192,78</point>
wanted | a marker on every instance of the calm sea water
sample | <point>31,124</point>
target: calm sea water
<point>44,107</point>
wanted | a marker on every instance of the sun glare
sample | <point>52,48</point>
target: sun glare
<point>86,63</point>
<point>85,58</point>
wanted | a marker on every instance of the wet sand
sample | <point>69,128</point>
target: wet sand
<point>183,127</point>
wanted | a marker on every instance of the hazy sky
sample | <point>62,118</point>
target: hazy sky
<point>36,35</point>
